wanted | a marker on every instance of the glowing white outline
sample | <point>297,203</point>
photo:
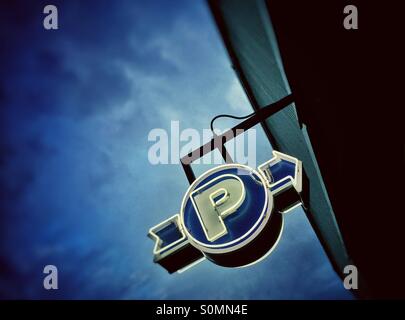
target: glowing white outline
<point>296,181</point>
<point>226,212</point>
<point>215,193</point>
<point>193,264</point>
<point>299,204</point>
<point>251,233</point>
<point>160,226</point>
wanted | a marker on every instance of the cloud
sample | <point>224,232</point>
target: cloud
<point>77,188</point>
<point>236,98</point>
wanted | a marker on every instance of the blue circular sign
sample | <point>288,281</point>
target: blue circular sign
<point>226,208</point>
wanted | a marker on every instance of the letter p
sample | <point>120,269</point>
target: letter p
<point>216,200</point>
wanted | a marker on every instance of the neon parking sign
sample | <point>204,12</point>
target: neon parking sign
<point>231,215</point>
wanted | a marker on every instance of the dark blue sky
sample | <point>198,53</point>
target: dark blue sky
<point>77,190</point>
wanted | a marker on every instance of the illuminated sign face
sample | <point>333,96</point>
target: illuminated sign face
<point>231,215</point>
<point>225,208</point>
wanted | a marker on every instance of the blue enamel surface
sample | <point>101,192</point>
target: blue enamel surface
<point>169,234</point>
<point>240,221</point>
<point>280,170</point>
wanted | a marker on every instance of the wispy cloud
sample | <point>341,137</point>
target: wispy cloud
<point>77,189</point>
